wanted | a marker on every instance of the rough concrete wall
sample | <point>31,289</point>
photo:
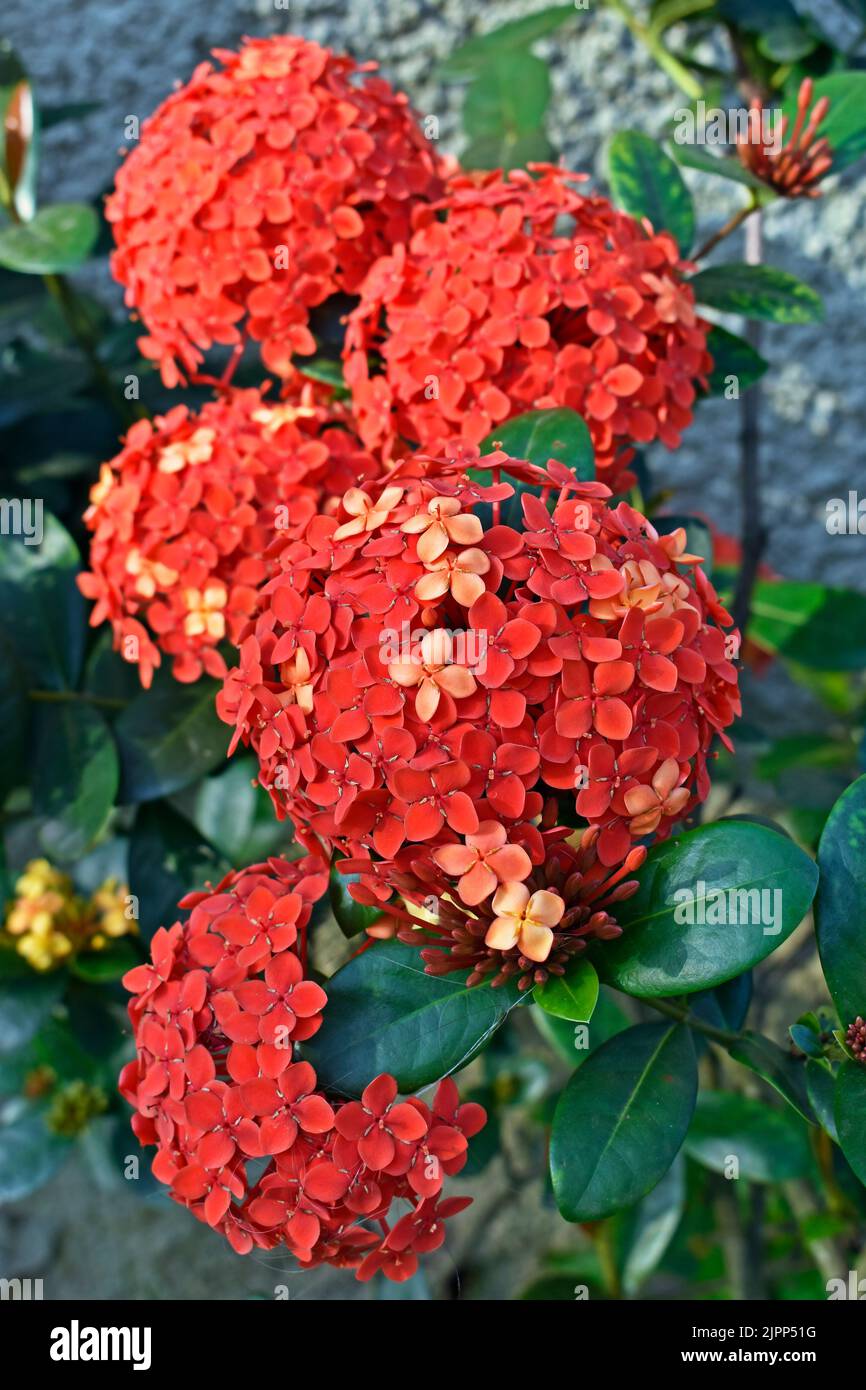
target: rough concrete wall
<point>128,54</point>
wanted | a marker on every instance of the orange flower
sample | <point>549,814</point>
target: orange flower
<point>458,574</point>
<point>432,673</point>
<point>663,797</point>
<point>441,523</point>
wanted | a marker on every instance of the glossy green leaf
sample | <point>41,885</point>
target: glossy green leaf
<point>819,627</point>
<point>821,1088</point>
<point>622,1119</point>
<point>723,166</point>
<point>58,239</point>
<point>29,1153</point>
<point>573,995</point>
<point>732,356</point>
<point>654,1224</point>
<point>43,611</point>
<point>385,1014</point>
<point>167,859</point>
<point>542,435</point>
<point>757,292</point>
<point>769,1145</point>
<point>168,737</point>
<point>840,903</point>
<point>704,874</point>
<point>75,774</point>
<point>647,183</point>
<point>664,13</point>
<point>777,1067</point>
<point>850,1114</point>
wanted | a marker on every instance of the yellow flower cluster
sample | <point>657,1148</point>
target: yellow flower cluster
<point>48,923</point>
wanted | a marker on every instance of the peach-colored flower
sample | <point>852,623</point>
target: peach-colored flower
<point>366,514</point>
<point>433,672</point>
<point>442,522</point>
<point>483,862</point>
<point>647,804</point>
<point>524,920</point>
<point>461,573</point>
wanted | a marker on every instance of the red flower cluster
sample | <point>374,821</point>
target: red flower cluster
<point>258,190</point>
<point>216,1087</point>
<point>183,516</point>
<point>414,679</point>
<point>493,309</point>
<point>805,157</point>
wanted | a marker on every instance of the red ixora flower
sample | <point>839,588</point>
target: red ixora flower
<point>245,1136</point>
<point>183,516</point>
<point>495,307</point>
<point>795,168</point>
<point>258,190</point>
<point>433,736</point>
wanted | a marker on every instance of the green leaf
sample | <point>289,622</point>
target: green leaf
<point>621,1120</point>
<point>840,903</point>
<point>58,239</point>
<point>777,1067</point>
<point>769,1145</point>
<point>661,952</point>
<point>725,1007</point>
<point>235,814</point>
<point>352,917</point>
<point>168,737</point>
<point>490,152</point>
<point>693,157</point>
<point>167,859</point>
<point>850,1114</point>
<point>29,1154</point>
<point>385,1014</point>
<point>573,995</point>
<point>819,627</point>
<point>655,1222</point>
<point>518,35</point>
<point>75,774</point>
<point>758,292</point>
<point>542,435</point>
<point>844,125</point>
<point>507,102</point>
<point>647,183</point>
<point>42,607</point>
<point>25,1004</point>
<point>732,356</point>
<point>97,967</point>
<point>323,369</point>
<point>821,1086</point>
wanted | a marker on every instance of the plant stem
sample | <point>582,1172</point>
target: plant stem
<point>731,225</point>
<point>57,697</point>
<point>604,1245</point>
<point>652,42</point>
<point>719,1035</point>
<point>754,532</point>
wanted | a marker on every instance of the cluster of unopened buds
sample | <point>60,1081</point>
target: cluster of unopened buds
<point>183,517</point>
<point>516,293</point>
<point>795,169</point>
<point>48,923</point>
<point>432,693</point>
<point>246,1138</point>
